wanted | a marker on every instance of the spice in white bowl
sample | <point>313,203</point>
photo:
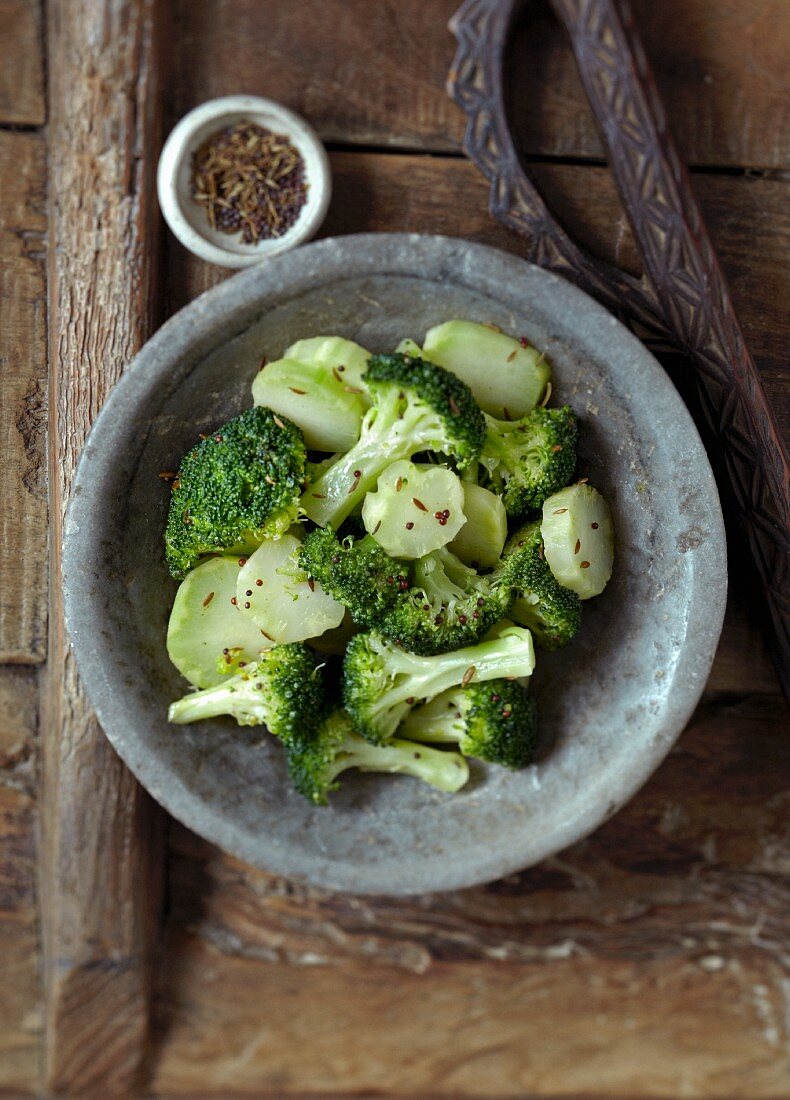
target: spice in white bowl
<point>242,179</point>
<point>249,181</point>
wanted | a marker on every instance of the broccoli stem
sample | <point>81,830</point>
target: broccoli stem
<point>427,723</point>
<point>239,697</point>
<point>386,437</point>
<point>447,771</point>
<point>510,654</point>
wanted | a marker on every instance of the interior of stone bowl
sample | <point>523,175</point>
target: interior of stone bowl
<point>610,705</point>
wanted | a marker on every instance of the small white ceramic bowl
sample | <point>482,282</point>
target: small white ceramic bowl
<point>187,218</point>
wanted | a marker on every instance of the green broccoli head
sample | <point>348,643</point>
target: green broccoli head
<point>550,611</point>
<point>441,413</point>
<point>417,406</point>
<point>238,486</point>
<point>525,461</point>
<point>495,721</point>
<point>448,606</point>
<point>357,572</point>
<point>382,682</point>
<point>315,762</point>
<point>283,690</point>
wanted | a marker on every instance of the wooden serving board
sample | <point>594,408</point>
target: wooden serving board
<point>649,960</point>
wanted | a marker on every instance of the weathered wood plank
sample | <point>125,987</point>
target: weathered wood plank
<point>100,860</point>
<point>721,70</point>
<point>23,369</point>
<point>374,73</point>
<point>742,663</point>
<point>473,1030</point>
<point>22,63</point>
<point>650,959</point>
<point>20,1016</point>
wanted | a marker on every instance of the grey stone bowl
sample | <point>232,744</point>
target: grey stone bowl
<point>611,704</point>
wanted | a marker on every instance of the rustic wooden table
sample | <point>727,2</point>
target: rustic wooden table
<point>653,959</point>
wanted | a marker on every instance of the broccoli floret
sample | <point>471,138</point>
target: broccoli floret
<point>382,682</point>
<point>237,487</point>
<point>550,611</point>
<point>315,762</point>
<point>448,605</point>
<point>416,407</point>
<point>357,572</point>
<point>524,461</point>
<point>283,690</point>
<point>495,721</point>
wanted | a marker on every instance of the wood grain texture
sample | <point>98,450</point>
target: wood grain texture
<point>650,959</point>
<point>719,68</point>
<point>23,370</point>
<point>374,73</point>
<point>101,865</point>
<point>742,663</point>
<point>22,63</point>
<point>20,1015</point>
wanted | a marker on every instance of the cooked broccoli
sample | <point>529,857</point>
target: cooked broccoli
<point>551,612</point>
<point>416,407</point>
<point>448,605</point>
<point>208,634</point>
<point>348,359</point>
<point>357,572</point>
<point>382,682</point>
<point>495,721</point>
<point>283,690</point>
<point>525,461</point>
<point>236,487</point>
<point>315,762</point>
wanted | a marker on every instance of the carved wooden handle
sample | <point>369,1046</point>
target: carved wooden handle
<point>686,297</point>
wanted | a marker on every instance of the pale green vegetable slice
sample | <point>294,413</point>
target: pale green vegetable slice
<point>344,356</point>
<point>335,641</point>
<point>578,539</point>
<point>415,509</point>
<point>285,605</point>
<point>507,378</point>
<point>327,410</point>
<point>207,632</point>
<point>482,538</point>
<point>409,347</point>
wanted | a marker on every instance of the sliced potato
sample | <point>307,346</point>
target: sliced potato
<point>578,539</point>
<point>328,411</point>
<point>206,632</point>
<point>415,509</point>
<point>274,593</point>
<point>507,377</point>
